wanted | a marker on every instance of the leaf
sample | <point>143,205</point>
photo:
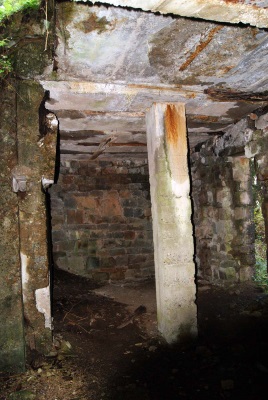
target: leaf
<point>9,7</point>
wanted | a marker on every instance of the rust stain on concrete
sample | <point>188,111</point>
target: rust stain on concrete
<point>206,118</point>
<point>93,23</point>
<point>155,87</point>
<point>227,94</point>
<point>202,45</point>
<point>175,127</point>
<point>171,124</point>
<point>234,1</point>
<point>251,3</point>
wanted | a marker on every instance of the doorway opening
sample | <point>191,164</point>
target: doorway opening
<point>113,347</point>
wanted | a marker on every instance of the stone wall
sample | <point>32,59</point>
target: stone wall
<point>101,219</point>
<point>223,215</point>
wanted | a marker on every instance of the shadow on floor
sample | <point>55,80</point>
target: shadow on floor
<point>228,361</point>
<point>106,346</point>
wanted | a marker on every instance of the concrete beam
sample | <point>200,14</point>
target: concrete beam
<point>172,227</point>
<point>246,11</point>
<point>91,104</point>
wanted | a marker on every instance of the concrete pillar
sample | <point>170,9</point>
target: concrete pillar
<point>172,227</point>
<point>36,164</point>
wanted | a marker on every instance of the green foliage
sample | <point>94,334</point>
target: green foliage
<point>259,221</point>
<point>261,275</point>
<point>9,7</point>
<point>5,63</point>
<point>5,66</point>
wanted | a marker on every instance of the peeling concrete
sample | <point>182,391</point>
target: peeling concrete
<point>42,297</point>
<point>24,275</point>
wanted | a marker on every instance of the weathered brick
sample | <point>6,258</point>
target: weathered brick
<point>70,202</point>
<point>107,262</point>
<point>58,220</point>
<point>68,179</point>
<point>136,259</point>
<point>117,251</point>
<point>129,235</point>
<point>121,260</point>
<point>92,262</point>
<point>59,235</point>
<point>100,276</point>
<point>110,205</point>
<point>118,274</point>
<point>74,216</point>
<point>128,212</point>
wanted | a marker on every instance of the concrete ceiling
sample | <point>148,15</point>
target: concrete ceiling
<point>252,12</point>
<point>113,63</point>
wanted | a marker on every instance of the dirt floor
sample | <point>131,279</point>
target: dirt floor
<point>106,347</point>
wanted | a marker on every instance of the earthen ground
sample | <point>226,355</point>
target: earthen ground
<point>104,350</point>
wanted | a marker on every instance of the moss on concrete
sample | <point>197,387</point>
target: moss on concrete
<point>31,59</point>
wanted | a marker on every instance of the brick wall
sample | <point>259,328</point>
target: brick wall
<point>101,219</point>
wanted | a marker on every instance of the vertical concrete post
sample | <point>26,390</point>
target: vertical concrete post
<point>36,163</point>
<point>172,227</point>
